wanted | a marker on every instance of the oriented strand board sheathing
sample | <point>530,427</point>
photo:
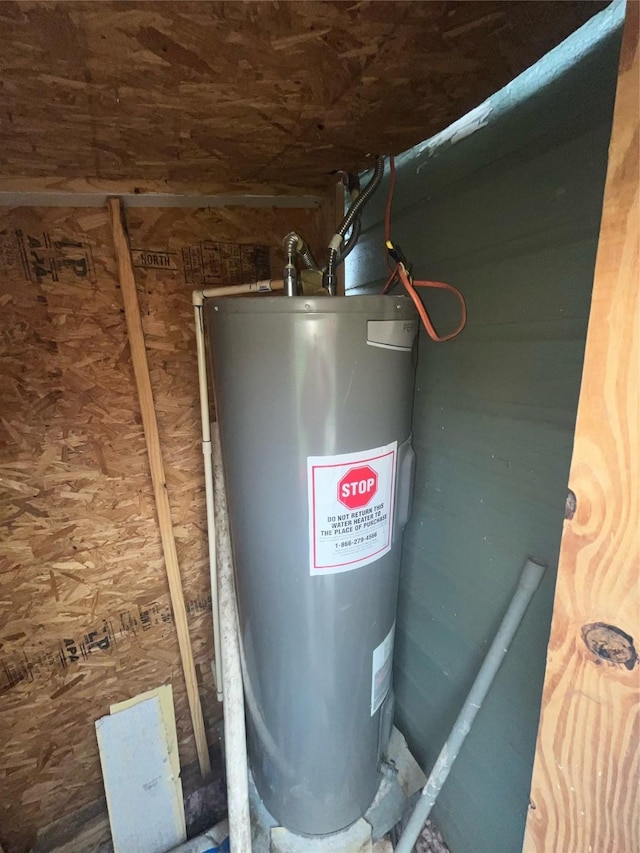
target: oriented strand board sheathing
<point>201,95</point>
<point>85,619</point>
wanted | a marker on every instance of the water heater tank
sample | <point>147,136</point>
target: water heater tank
<point>314,399</point>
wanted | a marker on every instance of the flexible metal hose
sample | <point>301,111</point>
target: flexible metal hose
<point>351,242</point>
<point>306,255</point>
<point>363,198</point>
<point>293,245</point>
<point>351,218</point>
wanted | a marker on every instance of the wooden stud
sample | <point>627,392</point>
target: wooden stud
<point>149,421</point>
<point>585,793</point>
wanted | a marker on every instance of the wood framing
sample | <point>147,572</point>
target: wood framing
<point>158,478</point>
<point>585,794</point>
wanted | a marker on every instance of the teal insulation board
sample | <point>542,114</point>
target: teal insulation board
<point>506,206</point>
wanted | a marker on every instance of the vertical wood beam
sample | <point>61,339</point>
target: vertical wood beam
<point>152,438</point>
<point>585,793</point>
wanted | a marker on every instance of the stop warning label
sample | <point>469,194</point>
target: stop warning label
<point>351,498</point>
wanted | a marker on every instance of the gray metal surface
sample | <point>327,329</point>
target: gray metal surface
<point>296,378</point>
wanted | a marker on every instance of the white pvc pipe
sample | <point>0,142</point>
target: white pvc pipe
<point>234,723</point>
<point>226,640</point>
<point>529,581</point>
<point>208,485</point>
<point>198,297</point>
<point>223,596</point>
<point>267,286</point>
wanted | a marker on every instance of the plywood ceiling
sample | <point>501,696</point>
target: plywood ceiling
<point>201,96</point>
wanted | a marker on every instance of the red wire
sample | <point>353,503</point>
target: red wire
<point>394,273</point>
<point>410,285</point>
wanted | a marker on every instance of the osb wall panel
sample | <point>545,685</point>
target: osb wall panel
<point>206,96</point>
<point>85,617</point>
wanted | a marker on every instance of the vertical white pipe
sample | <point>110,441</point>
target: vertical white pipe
<point>529,581</point>
<point>225,620</point>
<point>234,723</point>
<point>208,485</point>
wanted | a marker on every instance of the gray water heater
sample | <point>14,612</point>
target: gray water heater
<point>314,399</point>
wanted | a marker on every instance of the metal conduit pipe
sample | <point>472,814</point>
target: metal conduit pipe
<point>529,581</point>
<point>363,198</point>
<point>351,241</point>
<point>352,215</point>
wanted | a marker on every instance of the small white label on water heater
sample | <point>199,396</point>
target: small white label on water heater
<point>381,670</point>
<point>351,500</point>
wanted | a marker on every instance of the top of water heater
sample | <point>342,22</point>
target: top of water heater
<point>383,307</point>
